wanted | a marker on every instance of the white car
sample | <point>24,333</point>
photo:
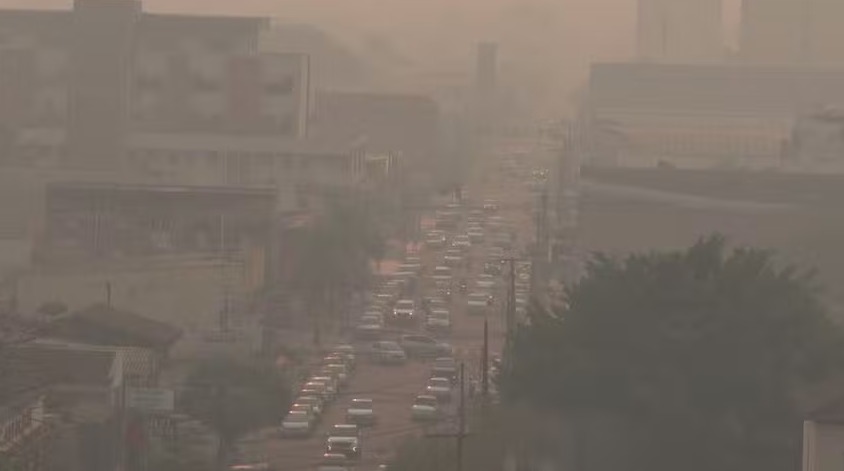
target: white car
<point>439,388</point>
<point>442,273</point>
<point>425,408</point>
<point>438,320</point>
<point>485,282</point>
<point>478,303</point>
<point>298,424</point>
<point>405,310</point>
<point>462,242</point>
<point>361,412</point>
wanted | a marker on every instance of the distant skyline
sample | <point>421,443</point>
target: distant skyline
<point>546,44</point>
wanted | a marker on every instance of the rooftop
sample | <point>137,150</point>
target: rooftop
<point>103,325</point>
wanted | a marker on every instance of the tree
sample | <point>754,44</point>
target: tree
<point>335,257</point>
<point>700,352</point>
<point>234,397</point>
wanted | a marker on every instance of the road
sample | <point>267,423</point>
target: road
<point>393,389</point>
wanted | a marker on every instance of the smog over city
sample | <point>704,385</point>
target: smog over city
<point>421,235</point>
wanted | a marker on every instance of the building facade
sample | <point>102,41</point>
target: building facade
<point>706,115</point>
<point>76,85</point>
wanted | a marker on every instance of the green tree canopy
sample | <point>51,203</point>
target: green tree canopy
<point>234,397</point>
<point>701,351</point>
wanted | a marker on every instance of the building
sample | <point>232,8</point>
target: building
<point>69,420</point>
<point>706,115</point>
<point>797,32</point>
<point>680,31</point>
<point>77,85</point>
<point>406,125</point>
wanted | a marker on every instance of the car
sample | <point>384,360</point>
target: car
<point>348,446</point>
<point>439,320</point>
<point>361,412</point>
<point>369,327</point>
<point>405,310</point>
<point>346,350</point>
<point>435,240</point>
<point>307,408</point>
<point>492,268</point>
<point>462,241</point>
<point>453,258</point>
<point>321,388</point>
<point>445,367</point>
<point>297,424</point>
<point>442,273</point>
<point>478,303</point>
<point>388,353</point>
<point>423,346</point>
<point>425,408</point>
<point>439,388</point>
<point>410,266</point>
<point>485,282</point>
<point>261,466</point>
<point>334,462</point>
<point>316,402</point>
<point>476,235</point>
<point>331,385</point>
<point>340,372</point>
<point>338,359</point>
<point>344,430</point>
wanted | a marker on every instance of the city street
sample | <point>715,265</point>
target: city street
<point>393,388</point>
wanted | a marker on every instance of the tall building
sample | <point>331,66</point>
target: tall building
<point>680,31</point>
<point>80,86</point>
<point>805,32</point>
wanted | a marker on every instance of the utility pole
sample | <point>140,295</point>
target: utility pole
<point>485,365</point>
<point>511,299</point>
<point>461,421</point>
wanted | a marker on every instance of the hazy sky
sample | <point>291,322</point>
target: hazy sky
<point>546,43</point>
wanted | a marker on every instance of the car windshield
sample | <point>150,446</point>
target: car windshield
<point>478,297</point>
<point>426,401</point>
<point>362,403</point>
<point>388,346</point>
<point>344,431</point>
<point>404,304</point>
<point>297,416</point>
<point>444,363</point>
